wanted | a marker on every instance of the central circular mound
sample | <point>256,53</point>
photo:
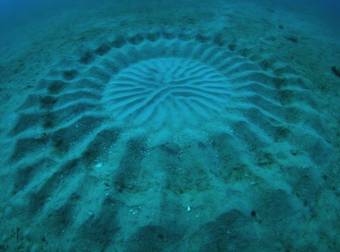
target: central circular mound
<point>167,90</point>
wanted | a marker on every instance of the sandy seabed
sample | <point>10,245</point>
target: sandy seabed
<point>209,127</point>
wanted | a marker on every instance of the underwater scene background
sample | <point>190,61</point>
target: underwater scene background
<point>169,125</point>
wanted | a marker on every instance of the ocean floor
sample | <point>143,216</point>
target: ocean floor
<point>170,127</point>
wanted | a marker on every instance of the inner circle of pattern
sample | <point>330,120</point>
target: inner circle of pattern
<point>164,89</point>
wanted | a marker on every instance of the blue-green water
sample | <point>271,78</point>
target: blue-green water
<point>169,126</point>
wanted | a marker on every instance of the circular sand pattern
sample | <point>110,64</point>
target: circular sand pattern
<point>95,160</point>
<point>159,90</point>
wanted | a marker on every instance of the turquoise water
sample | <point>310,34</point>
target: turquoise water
<point>169,126</point>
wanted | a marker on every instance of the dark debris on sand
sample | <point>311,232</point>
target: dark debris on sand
<point>336,71</point>
<point>292,38</point>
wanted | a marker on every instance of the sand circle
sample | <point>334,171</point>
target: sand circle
<point>158,89</point>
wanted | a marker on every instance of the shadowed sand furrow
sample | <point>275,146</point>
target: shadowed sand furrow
<point>56,118</point>
<point>80,96</point>
<point>229,162</point>
<point>198,50</point>
<point>110,66</point>
<point>49,102</point>
<point>155,233</point>
<point>98,74</point>
<point>54,87</point>
<point>309,140</point>
<point>25,122</point>
<point>210,53</point>
<point>225,64</point>
<point>260,101</point>
<point>241,67</point>
<point>212,236</point>
<point>269,125</point>
<point>98,231</point>
<point>65,138</point>
<point>31,101</point>
<point>218,58</point>
<point>259,76</point>
<point>25,174</point>
<point>152,238</point>
<point>129,170</point>
<point>256,87</point>
<point>87,84</point>
<point>39,198</point>
<point>99,148</point>
<point>250,135</point>
<point>277,127</point>
<point>27,146</point>
<point>63,201</point>
<point>60,219</point>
